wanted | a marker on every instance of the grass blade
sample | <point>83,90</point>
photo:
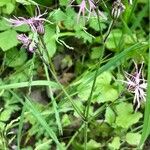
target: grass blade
<point>27,84</point>
<point>146,125</point>
<point>40,119</point>
<point>114,62</point>
<point>20,127</point>
<point>55,107</point>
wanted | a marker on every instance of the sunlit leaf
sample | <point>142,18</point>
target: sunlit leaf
<point>126,116</point>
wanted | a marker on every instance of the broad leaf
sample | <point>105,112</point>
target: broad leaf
<point>115,144</point>
<point>15,58</point>
<point>50,39</point>
<point>126,117</point>
<point>8,39</point>
<point>109,116</point>
<point>133,138</point>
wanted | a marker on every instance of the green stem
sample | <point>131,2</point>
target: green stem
<point>54,103</point>
<point>55,77</point>
<point>100,110</point>
<point>146,124</point>
<point>48,56</point>
<point>104,39</point>
<point>66,34</point>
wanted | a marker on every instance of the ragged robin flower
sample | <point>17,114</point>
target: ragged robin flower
<point>35,23</point>
<point>27,43</point>
<point>137,85</point>
<point>88,6</point>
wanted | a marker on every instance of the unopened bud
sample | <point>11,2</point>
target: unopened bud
<point>117,9</point>
<point>130,2</point>
<point>39,27</point>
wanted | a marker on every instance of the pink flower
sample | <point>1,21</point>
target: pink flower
<point>35,23</point>
<point>87,6</point>
<point>28,43</point>
<point>137,85</point>
<point>82,9</point>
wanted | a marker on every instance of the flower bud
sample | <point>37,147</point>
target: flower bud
<point>27,43</point>
<point>117,9</point>
<point>130,2</point>
<point>39,27</point>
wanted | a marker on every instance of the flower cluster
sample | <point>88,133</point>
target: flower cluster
<point>137,85</point>
<point>88,6</point>
<point>36,24</point>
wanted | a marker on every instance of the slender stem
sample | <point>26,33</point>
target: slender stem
<point>146,124</point>
<point>55,77</point>
<point>104,39</point>
<point>54,103</point>
<point>66,34</point>
<point>31,74</point>
<point>48,56</point>
<point>53,72</point>
<point>74,136</point>
<point>102,108</point>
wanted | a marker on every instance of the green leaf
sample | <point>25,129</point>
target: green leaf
<point>22,28</point>
<point>2,127</point>
<point>44,144</point>
<point>103,91</point>
<point>15,58</point>
<point>9,8</point>
<point>65,120</point>
<point>5,115</point>
<point>58,15</point>
<point>115,144</point>
<point>126,117</point>
<point>95,53</point>
<point>84,35</point>
<point>113,39</point>
<point>109,116</point>
<point>8,39</point>
<point>106,92</point>
<point>133,138</point>
<point>93,23</point>
<point>50,39</point>
<point>92,145</point>
<point>70,20</point>
<point>63,2</point>
<point>4,25</point>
